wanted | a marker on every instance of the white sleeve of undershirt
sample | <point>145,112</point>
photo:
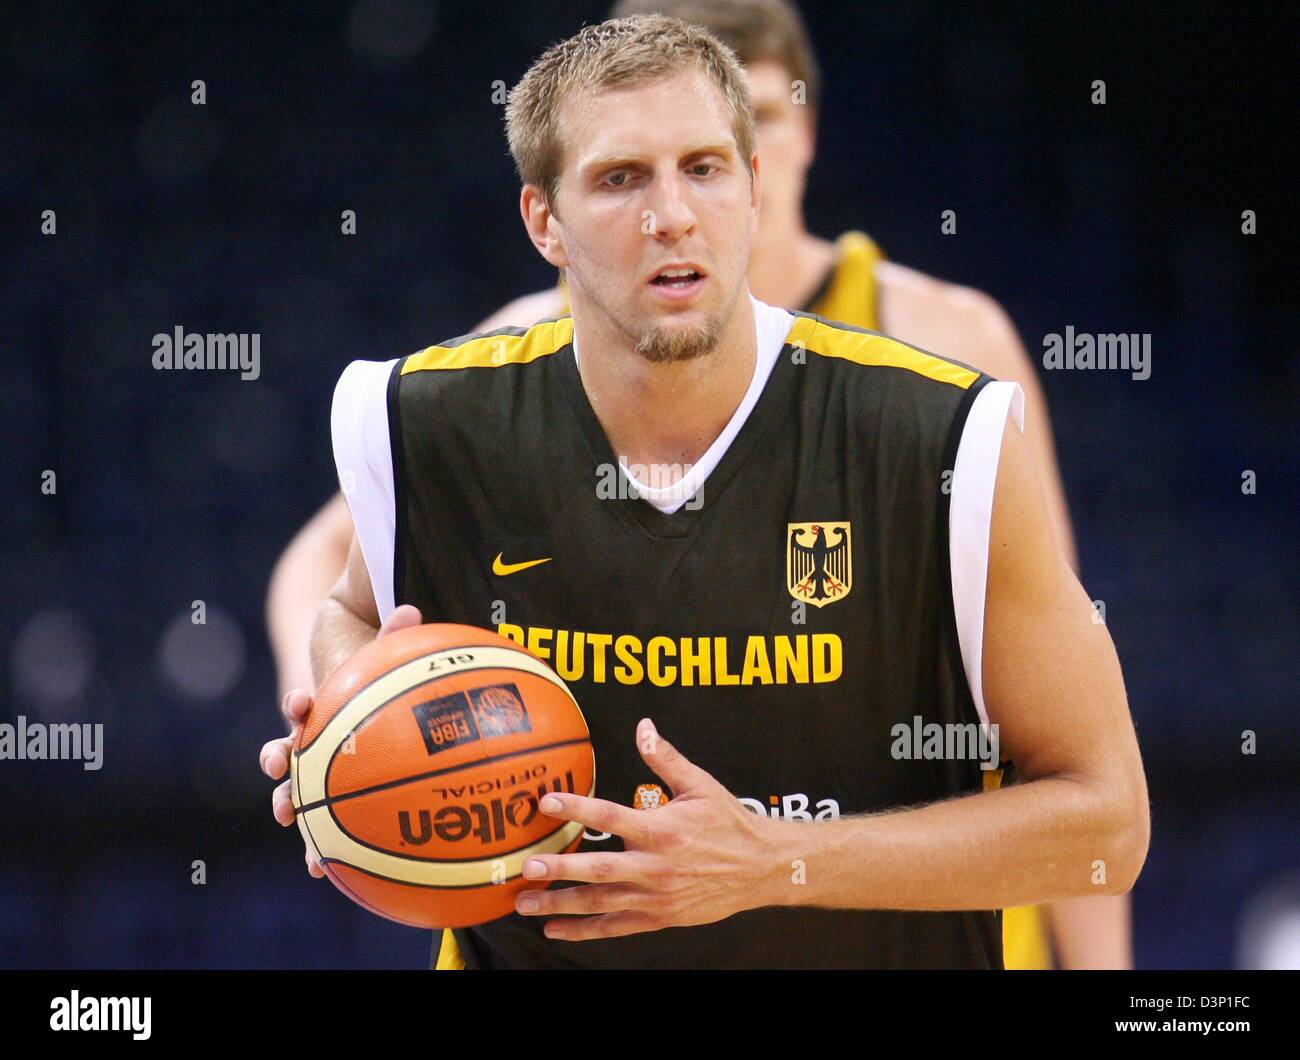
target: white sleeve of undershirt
<point>970,514</point>
<point>364,459</point>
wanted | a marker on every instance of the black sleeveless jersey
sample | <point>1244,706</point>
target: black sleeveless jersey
<point>775,628</point>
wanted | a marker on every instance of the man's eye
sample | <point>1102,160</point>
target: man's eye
<point>613,180</point>
<point>703,165</point>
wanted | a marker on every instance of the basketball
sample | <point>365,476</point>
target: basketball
<point>417,774</point>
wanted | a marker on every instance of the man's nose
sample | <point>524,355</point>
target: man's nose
<point>669,211</point>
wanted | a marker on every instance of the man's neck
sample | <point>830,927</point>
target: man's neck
<point>787,263</point>
<point>667,415</point>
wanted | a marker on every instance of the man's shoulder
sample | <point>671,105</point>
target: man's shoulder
<point>510,345</point>
<point>453,369</point>
<point>890,398</point>
<point>848,348</point>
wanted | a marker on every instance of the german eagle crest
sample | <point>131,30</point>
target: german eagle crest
<point>819,562</point>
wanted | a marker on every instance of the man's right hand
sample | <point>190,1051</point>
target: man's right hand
<point>294,707</point>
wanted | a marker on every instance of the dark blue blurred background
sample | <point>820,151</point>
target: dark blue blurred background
<point>185,486</point>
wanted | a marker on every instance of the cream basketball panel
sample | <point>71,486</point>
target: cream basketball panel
<point>333,844</point>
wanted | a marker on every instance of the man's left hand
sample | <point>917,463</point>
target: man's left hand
<point>697,859</point>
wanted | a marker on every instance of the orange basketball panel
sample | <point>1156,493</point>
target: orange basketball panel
<point>451,721</point>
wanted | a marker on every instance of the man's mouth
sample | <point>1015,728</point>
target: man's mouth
<point>678,283</point>
<point>677,278</point>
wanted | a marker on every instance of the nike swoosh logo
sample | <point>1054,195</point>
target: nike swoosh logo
<point>514,568</point>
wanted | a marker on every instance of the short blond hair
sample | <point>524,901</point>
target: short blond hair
<point>619,53</point>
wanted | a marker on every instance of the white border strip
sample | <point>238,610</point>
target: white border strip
<point>363,456</point>
<point>970,515</point>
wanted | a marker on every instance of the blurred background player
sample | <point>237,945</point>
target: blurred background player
<point>848,280</point>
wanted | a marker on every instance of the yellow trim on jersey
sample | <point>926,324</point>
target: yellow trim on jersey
<point>852,294</point>
<point>449,955</point>
<point>860,347</point>
<point>1024,939</point>
<point>493,350</point>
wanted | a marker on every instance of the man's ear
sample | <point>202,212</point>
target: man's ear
<point>541,225</point>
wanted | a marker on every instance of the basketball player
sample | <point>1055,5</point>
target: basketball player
<point>669,361</point>
<point>849,281</point>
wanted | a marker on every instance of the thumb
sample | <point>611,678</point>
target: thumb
<point>682,776</point>
<point>401,618</point>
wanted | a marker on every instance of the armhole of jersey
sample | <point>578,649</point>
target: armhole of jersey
<point>975,473</point>
<point>359,426</point>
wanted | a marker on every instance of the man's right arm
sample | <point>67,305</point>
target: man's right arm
<point>300,583</point>
<point>344,617</point>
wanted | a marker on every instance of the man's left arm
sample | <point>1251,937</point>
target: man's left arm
<point>1092,932</point>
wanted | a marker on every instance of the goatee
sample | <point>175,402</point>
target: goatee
<point>660,345</point>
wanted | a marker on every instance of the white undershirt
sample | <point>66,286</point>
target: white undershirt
<point>771,325</point>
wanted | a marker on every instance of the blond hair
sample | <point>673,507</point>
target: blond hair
<point>756,30</point>
<point>619,53</point>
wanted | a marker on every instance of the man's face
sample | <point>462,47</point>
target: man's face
<point>652,181</point>
<point>784,131</point>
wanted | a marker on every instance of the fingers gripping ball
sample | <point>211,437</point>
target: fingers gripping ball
<point>417,774</point>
